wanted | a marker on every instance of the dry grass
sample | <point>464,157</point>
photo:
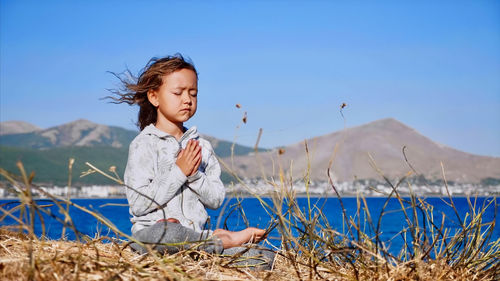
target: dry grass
<point>311,249</point>
<point>94,260</point>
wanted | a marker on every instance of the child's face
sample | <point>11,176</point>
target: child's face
<point>176,99</point>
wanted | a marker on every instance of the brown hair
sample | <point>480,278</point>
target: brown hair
<point>135,90</point>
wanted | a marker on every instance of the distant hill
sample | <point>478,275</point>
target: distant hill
<point>51,165</point>
<point>383,140</point>
<point>46,151</point>
<point>77,133</point>
<point>16,127</point>
<point>85,133</point>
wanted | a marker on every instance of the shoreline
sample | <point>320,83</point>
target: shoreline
<point>315,196</point>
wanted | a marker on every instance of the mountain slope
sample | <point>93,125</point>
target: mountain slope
<point>16,127</point>
<point>383,140</point>
<point>51,165</point>
<point>77,133</point>
<point>85,133</point>
<point>46,152</point>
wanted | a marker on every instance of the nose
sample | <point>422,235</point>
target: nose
<point>186,98</point>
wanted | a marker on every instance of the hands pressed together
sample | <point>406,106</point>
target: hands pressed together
<point>189,159</point>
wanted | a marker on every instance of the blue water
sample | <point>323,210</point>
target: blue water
<point>235,218</point>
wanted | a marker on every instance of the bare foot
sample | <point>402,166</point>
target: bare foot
<point>237,238</point>
<point>257,234</point>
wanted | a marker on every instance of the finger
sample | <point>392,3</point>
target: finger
<point>192,145</point>
<point>197,149</point>
<point>198,163</point>
<point>188,144</point>
<point>196,166</point>
<point>186,150</point>
<point>191,155</point>
<point>181,153</point>
<point>196,158</point>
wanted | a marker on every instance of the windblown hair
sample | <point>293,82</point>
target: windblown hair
<point>134,90</point>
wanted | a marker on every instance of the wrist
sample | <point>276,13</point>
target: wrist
<point>183,168</point>
<point>178,174</point>
<point>194,176</point>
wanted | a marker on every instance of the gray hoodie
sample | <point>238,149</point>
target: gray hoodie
<point>168,193</point>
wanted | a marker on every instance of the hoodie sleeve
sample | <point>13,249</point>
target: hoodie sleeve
<point>207,183</point>
<point>149,187</point>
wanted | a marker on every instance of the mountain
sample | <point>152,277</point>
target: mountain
<point>77,133</point>
<point>46,151</point>
<point>51,165</point>
<point>351,149</point>
<point>16,127</point>
<point>85,133</point>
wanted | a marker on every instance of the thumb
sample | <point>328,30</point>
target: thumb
<point>180,153</point>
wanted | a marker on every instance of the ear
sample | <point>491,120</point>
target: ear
<point>153,98</point>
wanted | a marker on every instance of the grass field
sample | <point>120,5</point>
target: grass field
<point>310,248</point>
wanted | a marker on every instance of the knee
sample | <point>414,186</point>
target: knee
<point>160,232</point>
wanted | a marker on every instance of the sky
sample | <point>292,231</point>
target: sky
<point>433,65</point>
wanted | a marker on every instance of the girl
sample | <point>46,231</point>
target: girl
<point>172,173</point>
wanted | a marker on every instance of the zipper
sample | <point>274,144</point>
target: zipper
<point>186,134</point>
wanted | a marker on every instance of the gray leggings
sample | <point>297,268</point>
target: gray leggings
<point>179,237</point>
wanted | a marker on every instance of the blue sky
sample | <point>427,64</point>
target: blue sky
<point>290,64</point>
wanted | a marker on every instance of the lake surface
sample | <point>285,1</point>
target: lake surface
<point>392,223</point>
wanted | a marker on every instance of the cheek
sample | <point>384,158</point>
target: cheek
<point>171,100</point>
